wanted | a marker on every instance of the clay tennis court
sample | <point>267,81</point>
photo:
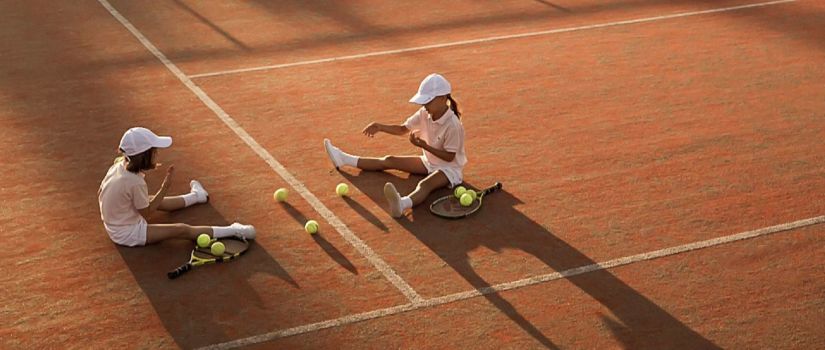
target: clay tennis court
<point>662,162</point>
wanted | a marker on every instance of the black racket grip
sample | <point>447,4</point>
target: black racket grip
<point>493,188</point>
<point>179,271</point>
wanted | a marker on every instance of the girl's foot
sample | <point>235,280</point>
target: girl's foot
<point>334,154</point>
<point>243,231</point>
<point>393,199</point>
<point>199,191</point>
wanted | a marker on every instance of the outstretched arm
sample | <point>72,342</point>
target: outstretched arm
<point>375,128</point>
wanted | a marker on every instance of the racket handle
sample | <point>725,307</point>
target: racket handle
<point>493,188</point>
<point>179,271</point>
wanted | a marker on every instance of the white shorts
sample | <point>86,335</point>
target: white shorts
<point>454,174</point>
<point>128,235</point>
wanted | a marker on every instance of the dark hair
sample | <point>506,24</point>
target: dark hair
<point>141,161</point>
<point>454,106</point>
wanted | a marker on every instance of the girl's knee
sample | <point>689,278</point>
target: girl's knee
<point>389,161</point>
<point>435,181</point>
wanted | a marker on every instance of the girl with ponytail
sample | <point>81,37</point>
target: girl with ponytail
<point>435,128</point>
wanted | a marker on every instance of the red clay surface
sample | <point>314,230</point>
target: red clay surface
<point>663,160</point>
<point>745,295</point>
<point>610,142</point>
<point>256,33</point>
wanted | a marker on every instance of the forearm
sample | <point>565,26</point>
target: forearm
<point>157,200</point>
<point>393,129</point>
<point>440,153</point>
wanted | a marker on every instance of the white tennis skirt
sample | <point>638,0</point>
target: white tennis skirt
<point>128,235</point>
<point>454,174</point>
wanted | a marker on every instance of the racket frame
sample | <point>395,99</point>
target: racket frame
<point>484,192</point>
<point>194,260</point>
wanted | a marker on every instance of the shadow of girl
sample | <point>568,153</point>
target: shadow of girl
<point>499,226</point>
<point>210,304</point>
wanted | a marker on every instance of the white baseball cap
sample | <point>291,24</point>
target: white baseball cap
<point>432,86</point>
<point>139,140</point>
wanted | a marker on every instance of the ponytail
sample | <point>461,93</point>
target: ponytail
<point>454,106</point>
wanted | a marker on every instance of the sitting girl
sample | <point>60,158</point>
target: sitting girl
<point>125,203</point>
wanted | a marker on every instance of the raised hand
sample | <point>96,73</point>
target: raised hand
<point>166,180</point>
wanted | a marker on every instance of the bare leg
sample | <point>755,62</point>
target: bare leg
<point>172,203</point>
<point>159,232</point>
<point>430,183</point>
<point>410,164</point>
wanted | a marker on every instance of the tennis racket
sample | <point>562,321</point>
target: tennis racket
<point>449,207</point>
<point>202,256</point>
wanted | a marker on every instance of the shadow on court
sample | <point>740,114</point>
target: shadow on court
<point>555,6</point>
<point>319,239</point>
<point>212,25</point>
<point>209,304</point>
<point>366,214</point>
<point>643,323</point>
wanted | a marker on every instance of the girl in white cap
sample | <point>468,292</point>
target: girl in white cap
<point>125,202</point>
<point>436,129</point>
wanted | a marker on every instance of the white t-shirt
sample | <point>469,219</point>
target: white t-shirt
<point>122,193</point>
<point>446,133</point>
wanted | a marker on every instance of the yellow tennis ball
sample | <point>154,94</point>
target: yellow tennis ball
<point>342,189</point>
<point>218,248</point>
<point>466,199</point>
<point>473,194</point>
<point>459,191</point>
<point>311,226</point>
<point>280,195</point>
<point>203,240</point>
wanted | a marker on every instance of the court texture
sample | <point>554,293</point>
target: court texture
<point>662,165</point>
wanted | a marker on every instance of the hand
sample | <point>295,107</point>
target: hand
<point>417,141</point>
<point>372,129</point>
<point>169,171</point>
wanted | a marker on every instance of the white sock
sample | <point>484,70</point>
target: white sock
<point>222,231</point>
<point>190,198</point>
<point>348,159</point>
<point>406,203</point>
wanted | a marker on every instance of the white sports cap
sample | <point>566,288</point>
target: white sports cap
<point>139,140</point>
<point>432,86</point>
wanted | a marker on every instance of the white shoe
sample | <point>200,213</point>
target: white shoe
<point>393,199</point>
<point>334,154</point>
<point>199,191</point>
<point>243,231</point>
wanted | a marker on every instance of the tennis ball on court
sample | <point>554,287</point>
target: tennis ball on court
<point>459,191</point>
<point>342,189</point>
<point>311,226</point>
<point>472,193</point>
<point>203,240</point>
<point>280,195</point>
<point>466,199</point>
<point>218,248</point>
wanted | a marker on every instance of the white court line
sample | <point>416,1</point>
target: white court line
<point>488,39</point>
<point>299,187</point>
<point>350,319</point>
